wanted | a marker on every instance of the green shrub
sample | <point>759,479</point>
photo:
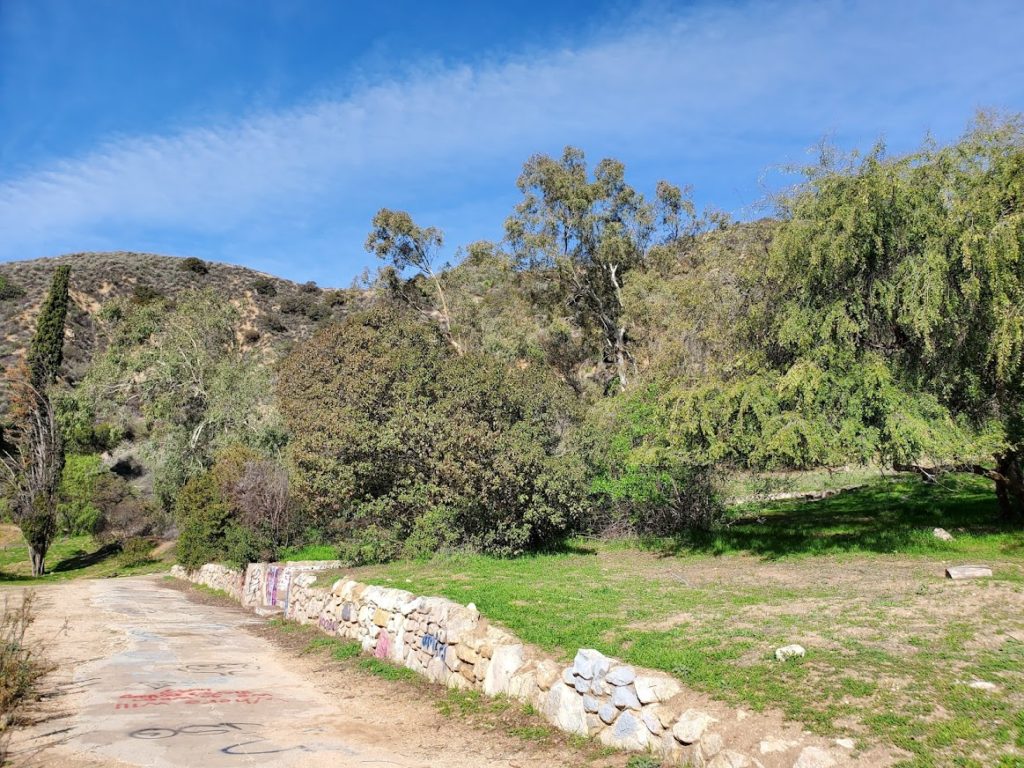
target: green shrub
<point>77,506</point>
<point>264,286</point>
<point>135,551</point>
<point>194,265</point>
<point>397,439</point>
<point>203,518</point>
<point>144,294</point>
<point>9,290</point>
<point>641,485</point>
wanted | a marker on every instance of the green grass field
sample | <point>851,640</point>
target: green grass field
<point>69,558</point>
<point>858,579</point>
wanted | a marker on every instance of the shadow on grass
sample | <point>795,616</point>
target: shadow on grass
<point>75,562</point>
<point>84,560</point>
<point>889,516</point>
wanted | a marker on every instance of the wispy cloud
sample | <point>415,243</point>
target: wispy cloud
<point>695,88</point>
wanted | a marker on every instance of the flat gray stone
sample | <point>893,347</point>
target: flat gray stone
<point>629,733</point>
<point>691,726</point>
<point>590,704</point>
<point>961,572</point>
<point>625,698</point>
<point>607,713</point>
<point>621,675</point>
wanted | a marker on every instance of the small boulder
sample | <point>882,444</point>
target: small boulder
<point>691,726</point>
<point>624,698</point>
<point>787,652</point>
<point>961,572</point>
<point>814,757</point>
<point>621,675</point>
<point>942,534</point>
<point>608,713</point>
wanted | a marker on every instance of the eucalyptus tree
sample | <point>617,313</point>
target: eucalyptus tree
<point>396,238</point>
<point>593,232</point>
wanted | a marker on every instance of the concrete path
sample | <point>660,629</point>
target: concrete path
<point>154,679</point>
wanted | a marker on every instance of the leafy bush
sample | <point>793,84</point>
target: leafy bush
<point>77,506</point>
<point>203,519</point>
<point>398,439</point>
<point>9,290</point>
<point>310,287</point>
<point>305,304</point>
<point>144,294</point>
<point>197,266</point>
<point>135,551</point>
<point>264,286</point>
<point>641,484</point>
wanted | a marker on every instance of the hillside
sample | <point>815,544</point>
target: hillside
<point>274,311</point>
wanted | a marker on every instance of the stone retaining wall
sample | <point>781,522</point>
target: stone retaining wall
<point>622,706</point>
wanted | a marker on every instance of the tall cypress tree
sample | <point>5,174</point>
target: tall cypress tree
<point>35,467</point>
<point>46,353</point>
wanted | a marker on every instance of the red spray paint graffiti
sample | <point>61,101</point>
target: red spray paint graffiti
<point>190,697</point>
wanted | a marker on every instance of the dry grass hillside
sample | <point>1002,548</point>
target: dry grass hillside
<point>273,311</point>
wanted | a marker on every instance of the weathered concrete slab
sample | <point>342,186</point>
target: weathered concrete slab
<point>961,572</point>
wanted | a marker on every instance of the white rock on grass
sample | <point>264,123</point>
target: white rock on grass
<point>983,685</point>
<point>942,534</point>
<point>787,652</point>
<point>961,572</point>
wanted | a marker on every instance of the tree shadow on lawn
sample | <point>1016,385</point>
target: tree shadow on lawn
<point>75,562</point>
<point>888,516</point>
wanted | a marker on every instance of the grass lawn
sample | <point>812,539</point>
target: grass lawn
<point>857,579</point>
<point>71,557</point>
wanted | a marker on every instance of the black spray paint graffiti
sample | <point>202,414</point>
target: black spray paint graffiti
<point>219,729</point>
<point>197,729</point>
<point>222,669</point>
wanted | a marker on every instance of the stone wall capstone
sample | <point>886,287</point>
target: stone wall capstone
<point>622,706</point>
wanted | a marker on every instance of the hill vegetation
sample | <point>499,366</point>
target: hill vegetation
<point>599,369</point>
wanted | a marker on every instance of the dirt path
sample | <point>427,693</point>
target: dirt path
<point>149,677</point>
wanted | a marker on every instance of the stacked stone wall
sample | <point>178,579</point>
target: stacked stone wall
<point>596,696</point>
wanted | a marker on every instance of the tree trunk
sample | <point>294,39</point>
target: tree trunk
<point>1010,486</point>
<point>620,356</point>
<point>37,559</point>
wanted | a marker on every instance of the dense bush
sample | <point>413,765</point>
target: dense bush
<point>197,266</point>
<point>399,442</point>
<point>203,519</point>
<point>641,485</point>
<point>9,290</point>
<point>264,286</point>
<point>239,511</point>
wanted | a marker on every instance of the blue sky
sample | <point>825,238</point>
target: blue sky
<point>267,133</point>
